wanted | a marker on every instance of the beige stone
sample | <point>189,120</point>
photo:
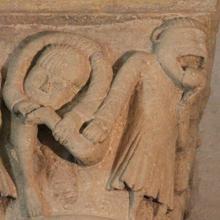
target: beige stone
<point>101,106</point>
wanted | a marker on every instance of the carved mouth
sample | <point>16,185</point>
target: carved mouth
<point>191,61</point>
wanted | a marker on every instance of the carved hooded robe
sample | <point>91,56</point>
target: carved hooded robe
<point>146,156</point>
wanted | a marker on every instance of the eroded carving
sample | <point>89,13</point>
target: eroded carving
<point>154,86</point>
<point>34,91</point>
<point>65,82</point>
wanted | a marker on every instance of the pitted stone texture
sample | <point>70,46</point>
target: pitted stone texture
<point>106,6</point>
<point>120,126</point>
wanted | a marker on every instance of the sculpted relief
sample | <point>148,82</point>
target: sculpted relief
<point>63,102</point>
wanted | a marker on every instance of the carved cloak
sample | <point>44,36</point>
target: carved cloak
<point>146,160</point>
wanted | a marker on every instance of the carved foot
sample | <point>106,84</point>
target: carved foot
<point>33,204</point>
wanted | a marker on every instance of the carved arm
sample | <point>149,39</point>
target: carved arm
<point>121,91</point>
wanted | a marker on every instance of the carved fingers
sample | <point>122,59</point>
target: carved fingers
<point>22,108</point>
<point>64,130</point>
<point>43,115</point>
<point>96,132</point>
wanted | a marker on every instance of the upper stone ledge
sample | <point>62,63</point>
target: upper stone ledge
<point>106,6</point>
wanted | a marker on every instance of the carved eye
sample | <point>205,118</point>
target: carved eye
<point>191,61</point>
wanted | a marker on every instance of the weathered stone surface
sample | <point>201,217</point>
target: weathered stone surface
<point>106,6</point>
<point>206,195</point>
<point>100,111</point>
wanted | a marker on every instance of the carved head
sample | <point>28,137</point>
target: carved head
<point>58,75</point>
<point>181,47</point>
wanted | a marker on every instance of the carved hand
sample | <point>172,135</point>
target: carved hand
<point>194,78</point>
<point>43,115</point>
<point>64,130</point>
<point>96,131</point>
<point>22,108</point>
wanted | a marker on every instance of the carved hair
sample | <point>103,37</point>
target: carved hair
<point>174,24</point>
<point>23,57</point>
<point>58,59</point>
<point>53,57</point>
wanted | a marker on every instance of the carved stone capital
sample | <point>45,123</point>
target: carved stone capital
<point>101,107</point>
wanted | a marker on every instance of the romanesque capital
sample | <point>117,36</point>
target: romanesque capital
<point>101,104</point>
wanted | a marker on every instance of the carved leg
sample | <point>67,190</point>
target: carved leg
<point>140,207</point>
<point>161,212</point>
<point>2,210</point>
<point>23,138</point>
<point>180,206</point>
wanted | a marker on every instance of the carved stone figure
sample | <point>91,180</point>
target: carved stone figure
<point>34,91</point>
<point>98,125</point>
<point>154,86</point>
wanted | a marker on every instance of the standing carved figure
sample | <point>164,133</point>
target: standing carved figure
<point>153,86</point>
<point>45,73</point>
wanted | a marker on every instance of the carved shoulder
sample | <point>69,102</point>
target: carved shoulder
<point>142,58</point>
<point>137,64</point>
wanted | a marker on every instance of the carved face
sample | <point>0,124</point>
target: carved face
<point>181,49</point>
<point>56,79</point>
